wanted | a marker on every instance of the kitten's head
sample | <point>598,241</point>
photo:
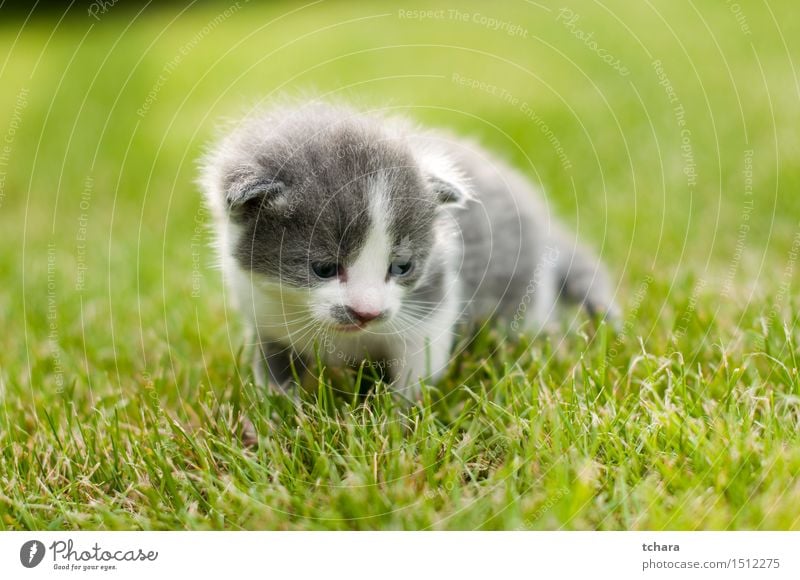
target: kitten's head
<point>341,211</point>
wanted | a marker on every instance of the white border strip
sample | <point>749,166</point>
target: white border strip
<point>400,555</point>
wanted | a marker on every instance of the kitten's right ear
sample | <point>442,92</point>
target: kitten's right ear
<point>453,193</point>
<point>445,181</point>
<point>244,188</point>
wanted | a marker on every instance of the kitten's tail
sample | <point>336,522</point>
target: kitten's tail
<point>583,279</point>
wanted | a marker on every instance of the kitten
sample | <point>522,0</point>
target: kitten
<point>361,237</point>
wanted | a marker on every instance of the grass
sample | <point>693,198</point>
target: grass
<point>123,375</point>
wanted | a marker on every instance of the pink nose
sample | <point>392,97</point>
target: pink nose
<point>363,316</point>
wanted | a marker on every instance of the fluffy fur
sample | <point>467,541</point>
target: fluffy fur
<point>315,188</point>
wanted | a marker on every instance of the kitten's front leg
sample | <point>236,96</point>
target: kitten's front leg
<point>420,359</point>
<point>272,366</point>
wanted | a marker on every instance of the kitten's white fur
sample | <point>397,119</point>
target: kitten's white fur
<point>414,349</point>
<point>523,261</point>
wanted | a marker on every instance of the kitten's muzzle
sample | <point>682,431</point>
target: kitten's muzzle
<point>353,319</point>
<point>363,316</point>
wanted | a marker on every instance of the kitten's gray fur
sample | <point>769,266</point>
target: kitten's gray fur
<point>325,183</point>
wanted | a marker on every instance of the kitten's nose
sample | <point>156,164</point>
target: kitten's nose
<point>363,316</point>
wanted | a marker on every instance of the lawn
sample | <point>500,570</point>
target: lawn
<point>664,133</point>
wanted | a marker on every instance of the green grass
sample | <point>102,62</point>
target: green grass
<point>123,374</point>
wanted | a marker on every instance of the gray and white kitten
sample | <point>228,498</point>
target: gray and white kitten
<point>361,236</point>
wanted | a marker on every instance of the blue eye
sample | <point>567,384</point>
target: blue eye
<point>400,267</point>
<point>325,270</point>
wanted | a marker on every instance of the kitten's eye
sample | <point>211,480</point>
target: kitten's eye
<point>325,270</point>
<point>400,267</point>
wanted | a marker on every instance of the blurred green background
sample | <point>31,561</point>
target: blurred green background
<point>665,133</point>
<point>127,100</point>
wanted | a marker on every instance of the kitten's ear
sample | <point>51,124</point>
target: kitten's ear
<point>451,193</point>
<point>445,181</point>
<point>245,188</point>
